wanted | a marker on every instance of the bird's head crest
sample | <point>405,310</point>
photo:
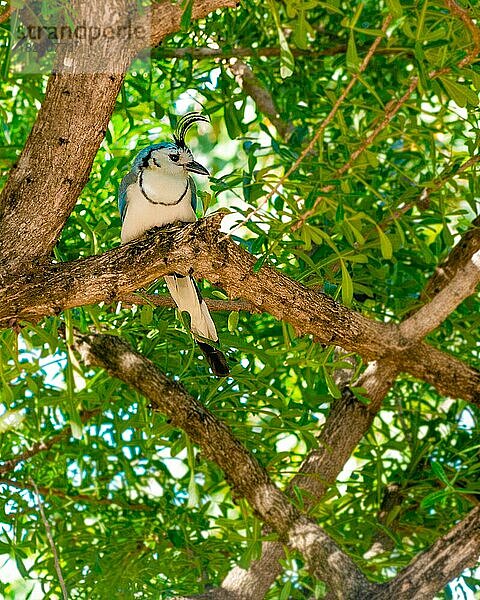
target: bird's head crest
<point>184,125</point>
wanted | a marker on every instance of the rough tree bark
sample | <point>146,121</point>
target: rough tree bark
<point>52,288</point>
<point>55,164</point>
<point>34,206</point>
<point>326,560</point>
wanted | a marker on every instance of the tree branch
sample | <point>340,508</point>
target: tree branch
<point>165,17</point>
<point>422,578</point>
<point>51,289</point>
<point>220,53</point>
<point>49,491</point>
<point>43,445</point>
<point>438,565</point>
<point>251,85</point>
<point>460,256</point>
<point>431,315</point>
<point>348,421</point>
<point>167,302</point>
<point>217,443</point>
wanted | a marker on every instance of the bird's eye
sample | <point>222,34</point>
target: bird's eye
<point>174,157</point>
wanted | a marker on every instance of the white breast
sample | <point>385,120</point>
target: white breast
<point>142,215</point>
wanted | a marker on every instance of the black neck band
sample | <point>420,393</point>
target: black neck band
<point>162,203</point>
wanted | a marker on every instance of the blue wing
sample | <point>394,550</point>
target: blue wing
<point>122,192</point>
<point>193,187</point>
<point>141,160</point>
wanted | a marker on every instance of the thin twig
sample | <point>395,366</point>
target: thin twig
<point>219,53</point>
<point>48,531</point>
<point>84,498</point>
<point>390,111</point>
<point>42,446</point>
<point>462,14</point>
<point>7,14</point>
<point>320,130</point>
<point>167,302</point>
<point>436,185</point>
<point>252,86</point>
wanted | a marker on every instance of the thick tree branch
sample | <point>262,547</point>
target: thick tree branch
<point>431,315</point>
<point>209,255</point>
<point>53,288</point>
<point>348,421</point>
<point>241,468</point>
<point>460,256</point>
<point>165,17</point>
<point>438,565</point>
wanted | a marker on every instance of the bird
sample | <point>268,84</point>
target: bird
<point>159,190</point>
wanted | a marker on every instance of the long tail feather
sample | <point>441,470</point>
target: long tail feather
<point>215,358</point>
<point>187,297</point>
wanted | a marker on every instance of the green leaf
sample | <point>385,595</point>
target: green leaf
<point>193,492</point>
<point>300,31</point>
<point>439,472</point>
<point>356,232</point>
<point>385,244</point>
<point>146,315</point>
<point>352,56</point>
<point>434,498</point>
<point>71,396</point>
<point>461,94</point>
<point>231,121</point>
<point>186,15</point>
<point>287,62</point>
<point>285,591</point>
<point>233,318</point>
<point>331,385</point>
<point>347,286</point>
<point>395,8</point>
<point>340,212</point>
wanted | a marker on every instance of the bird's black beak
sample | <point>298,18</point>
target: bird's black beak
<point>195,167</point>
